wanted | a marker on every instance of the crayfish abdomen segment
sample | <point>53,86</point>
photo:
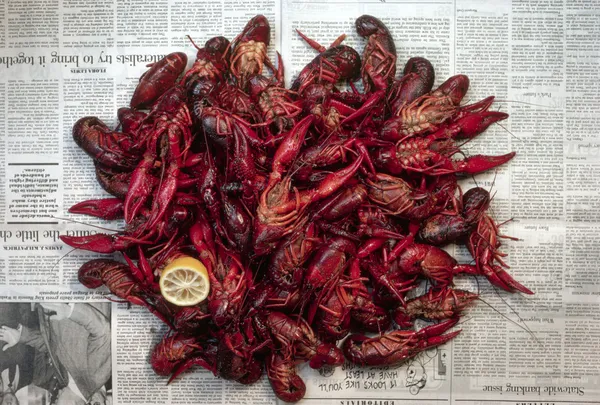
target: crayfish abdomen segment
<point>281,371</point>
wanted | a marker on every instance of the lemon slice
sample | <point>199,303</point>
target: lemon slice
<point>184,282</point>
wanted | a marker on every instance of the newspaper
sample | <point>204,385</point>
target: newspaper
<point>62,60</point>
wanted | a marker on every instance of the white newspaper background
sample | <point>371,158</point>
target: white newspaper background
<point>61,61</point>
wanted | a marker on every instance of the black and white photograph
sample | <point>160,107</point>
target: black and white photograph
<point>55,353</point>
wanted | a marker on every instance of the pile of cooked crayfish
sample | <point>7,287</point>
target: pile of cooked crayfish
<point>316,209</point>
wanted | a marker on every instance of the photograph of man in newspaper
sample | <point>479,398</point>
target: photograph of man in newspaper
<point>55,353</point>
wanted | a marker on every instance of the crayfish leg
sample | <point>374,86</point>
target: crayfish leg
<point>372,102</point>
<point>189,363</point>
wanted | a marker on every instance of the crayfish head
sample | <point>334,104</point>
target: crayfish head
<point>387,159</point>
<point>475,202</point>
<point>130,119</point>
<point>424,71</point>
<point>296,390</point>
<point>266,237</point>
<point>230,365</point>
<point>276,217</point>
<point>315,94</point>
<point>217,46</point>
<point>257,29</point>
<point>257,84</point>
<point>455,88</point>
<point>90,274</point>
<point>373,318</point>
<point>253,374</point>
<point>367,25</point>
<point>160,364</point>
<point>216,125</point>
<point>167,353</point>
<point>281,371</point>
<point>442,228</point>
<point>199,89</point>
<point>346,59</point>
<point>220,312</point>
<point>171,101</point>
<point>81,129</point>
<point>192,319</point>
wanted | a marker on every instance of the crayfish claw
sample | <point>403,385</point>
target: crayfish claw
<point>500,278</point>
<point>99,243</point>
<point>474,124</point>
<point>481,163</point>
<point>440,340</point>
<point>105,208</point>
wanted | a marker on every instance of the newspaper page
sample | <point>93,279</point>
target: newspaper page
<point>62,60</point>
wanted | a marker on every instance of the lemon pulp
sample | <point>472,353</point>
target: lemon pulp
<point>184,281</point>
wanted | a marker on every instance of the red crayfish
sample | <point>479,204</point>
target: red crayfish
<point>313,212</point>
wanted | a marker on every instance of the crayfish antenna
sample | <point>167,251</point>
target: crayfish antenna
<point>523,327</point>
<point>526,103</point>
<point>511,134</point>
<point>193,43</point>
<point>85,223</point>
<point>62,257</point>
